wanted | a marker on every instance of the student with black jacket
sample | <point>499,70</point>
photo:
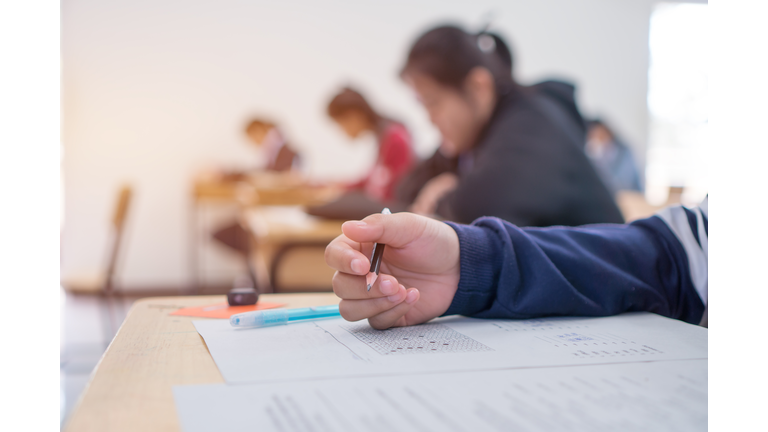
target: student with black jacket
<point>519,151</point>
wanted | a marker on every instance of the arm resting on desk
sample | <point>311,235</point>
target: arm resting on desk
<point>594,270</point>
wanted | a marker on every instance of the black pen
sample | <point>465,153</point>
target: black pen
<point>378,253</point>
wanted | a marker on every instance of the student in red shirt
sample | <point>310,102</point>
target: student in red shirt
<point>395,158</point>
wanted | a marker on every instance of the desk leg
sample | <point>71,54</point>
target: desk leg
<point>259,263</point>
<point>194,244</point>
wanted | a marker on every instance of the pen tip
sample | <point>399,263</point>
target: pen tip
<point>370,279</point>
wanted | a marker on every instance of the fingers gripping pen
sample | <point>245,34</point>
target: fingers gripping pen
<point>376,256</point>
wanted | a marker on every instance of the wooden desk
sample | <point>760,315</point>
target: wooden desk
<point>289,246</point>
<point>263,189</point>
<point>633,205</point>
<point>252,190</point>
<point>130,389</point>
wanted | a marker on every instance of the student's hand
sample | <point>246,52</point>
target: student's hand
<point>419,273</point>
<point>433,192</point>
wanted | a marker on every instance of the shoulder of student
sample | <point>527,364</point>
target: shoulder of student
<point>534,149</point>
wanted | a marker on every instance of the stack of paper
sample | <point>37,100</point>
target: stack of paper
<point>635,371</point>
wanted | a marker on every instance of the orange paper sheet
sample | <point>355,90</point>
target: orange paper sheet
<point>223,310</point>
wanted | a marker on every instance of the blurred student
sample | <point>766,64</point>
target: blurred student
<point>493,269</point>
<point>612,158</point>
<point>278,155</point>
<point>395,153</point>
<point>519,150</point>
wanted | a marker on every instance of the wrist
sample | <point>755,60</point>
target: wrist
<point>478,270</point>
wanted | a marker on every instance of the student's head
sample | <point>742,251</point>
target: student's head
<point>257,130</point>
<point>459,78</point>
<point>352,113</point>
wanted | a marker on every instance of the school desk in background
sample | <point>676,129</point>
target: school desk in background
<point>289,248</point>
<point>241,192</point>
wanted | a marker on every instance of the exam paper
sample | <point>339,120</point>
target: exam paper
<point>648,396</point>
<point>337,348</point>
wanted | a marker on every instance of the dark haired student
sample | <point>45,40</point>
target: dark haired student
<point>395,158</point>
<point>519,151</point>
<point>439,162</point>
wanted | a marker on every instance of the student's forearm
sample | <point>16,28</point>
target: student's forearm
<point>508,272</point>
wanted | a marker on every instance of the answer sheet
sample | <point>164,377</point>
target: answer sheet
<point>337,348</point>
<point>646,396</point>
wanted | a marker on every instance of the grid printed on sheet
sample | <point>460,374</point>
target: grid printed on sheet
<point>424,338</point>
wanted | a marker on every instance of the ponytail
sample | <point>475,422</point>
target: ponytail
<point>500,48</point>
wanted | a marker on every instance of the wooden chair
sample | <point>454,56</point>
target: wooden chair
<point>104,281</point>
<point>301,267</point>
<point>118,223</point>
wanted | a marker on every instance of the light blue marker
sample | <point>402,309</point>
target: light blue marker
<point>275,317</point>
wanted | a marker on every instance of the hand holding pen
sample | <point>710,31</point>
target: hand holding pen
<point>417,278</point>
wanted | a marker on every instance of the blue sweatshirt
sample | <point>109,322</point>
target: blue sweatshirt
<point>656,265</point>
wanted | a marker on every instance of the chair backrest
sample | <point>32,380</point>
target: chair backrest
<point>301,267</point>
<point>118,224</point>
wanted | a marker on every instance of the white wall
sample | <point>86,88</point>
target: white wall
<point>155,90</point>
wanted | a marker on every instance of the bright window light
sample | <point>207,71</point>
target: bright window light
<point>677,102</point>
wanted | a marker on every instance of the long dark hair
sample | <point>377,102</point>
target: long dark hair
<point>447,54</point>
<point>351,100</point>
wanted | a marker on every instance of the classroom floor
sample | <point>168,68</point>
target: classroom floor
<point>88,324</point>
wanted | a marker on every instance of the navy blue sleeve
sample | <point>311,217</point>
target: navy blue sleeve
<point>593,270</point>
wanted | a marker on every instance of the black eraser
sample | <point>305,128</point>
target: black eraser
<point>242,297</point>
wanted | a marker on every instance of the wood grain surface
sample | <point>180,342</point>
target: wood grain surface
<point>131,387</point>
